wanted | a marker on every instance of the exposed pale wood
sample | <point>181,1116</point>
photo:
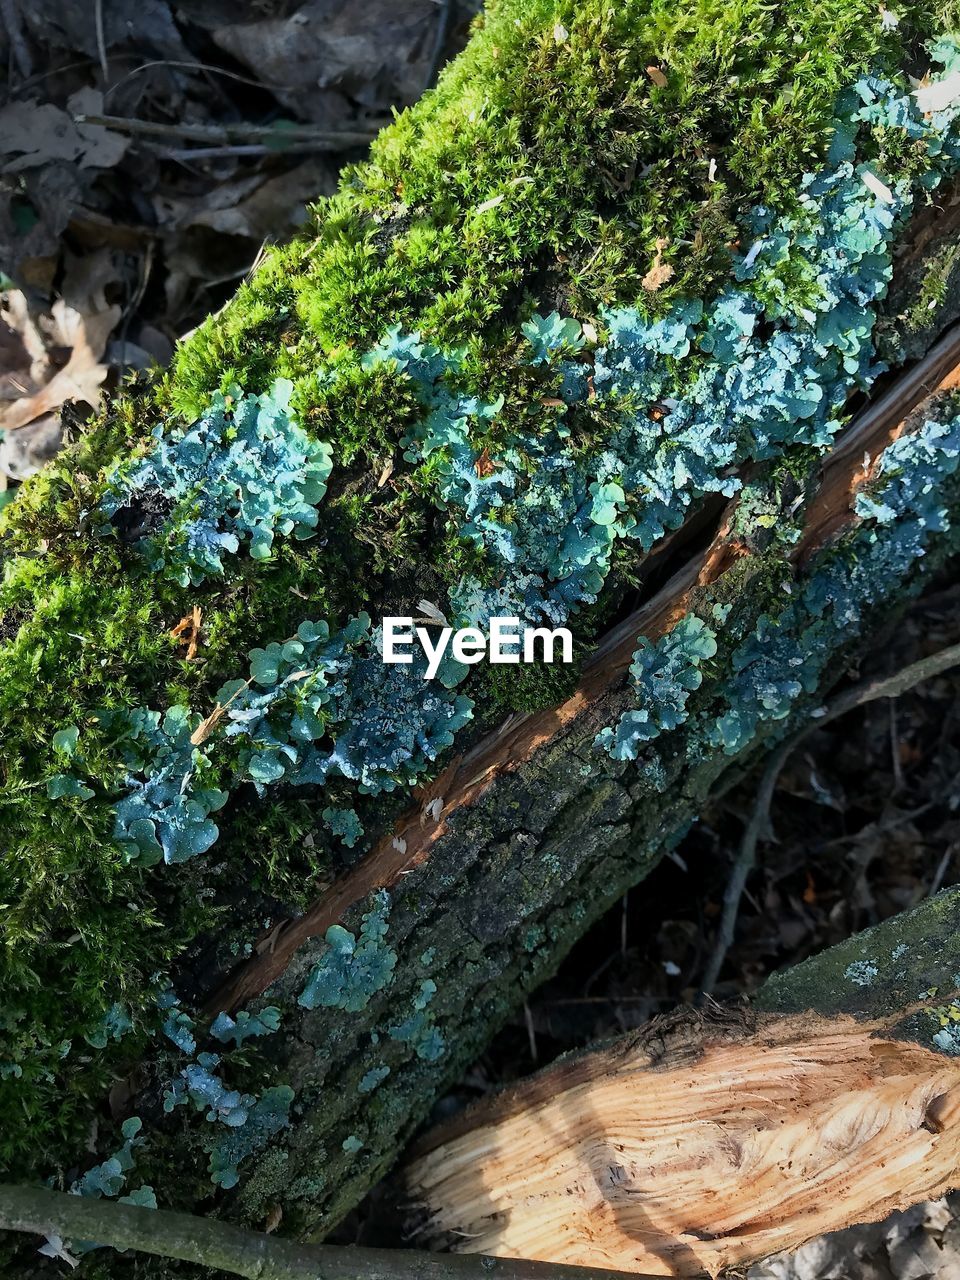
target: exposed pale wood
<point>742,1141</point>
<point>853,462</point>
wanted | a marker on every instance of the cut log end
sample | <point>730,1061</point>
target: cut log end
<point>678,1164</point>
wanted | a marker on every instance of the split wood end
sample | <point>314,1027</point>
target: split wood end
<point>687,1163</point>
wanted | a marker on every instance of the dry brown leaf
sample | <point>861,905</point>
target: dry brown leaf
<point>320,49</point>
<point>187,631</point>
<point>25,452</point>
<point>81,376</point>
<point>14,364</point>
<point>483,465</point>
<point>660,272</point>
<point>34,133</point>
<point>258,207</point>
<point>87,277</point>
<point>25,363</point>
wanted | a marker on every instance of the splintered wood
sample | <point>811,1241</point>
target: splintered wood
<point>697,1161</point>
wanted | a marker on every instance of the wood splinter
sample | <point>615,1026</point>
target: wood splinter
<point>684,1159</point>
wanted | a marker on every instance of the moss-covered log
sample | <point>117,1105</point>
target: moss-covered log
<point>266,895</point>
<point>714,1140</point>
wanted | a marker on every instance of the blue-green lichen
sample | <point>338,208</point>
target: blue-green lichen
<point>246,1025</point>
<point>244,472</point>
<point>862,972</point>
<point>419,1030</point>
<point>663,674</point>
<point>353,969</point>
<point>372,1078</point>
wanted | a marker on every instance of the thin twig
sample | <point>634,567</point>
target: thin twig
<point>439,43</point>
<point>230,150</point>
<point>182,65</point>
<point>10,17</point>
<point>857,696</point>
<point>895,749</point>
<point>218,135</point>
<point>101,40</point>
<point>224,1247</point>
<point>941,871</point>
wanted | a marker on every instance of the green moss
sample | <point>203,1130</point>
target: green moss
<point>938,274</point>
<point>913,957</point>
<point>532,687</point>
<point>522,119</point>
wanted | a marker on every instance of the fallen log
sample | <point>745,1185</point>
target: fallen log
<point>267,896</point>
<point>714,1139</point>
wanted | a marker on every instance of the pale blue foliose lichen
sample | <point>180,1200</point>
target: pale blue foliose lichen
<point>246,1025</point>
<point>549,335</point>
<point>343,823</point>
<point>419,1030</point>
<point>380,727</point>
<point>912,468</point>
<point>178,1026</point>
<point>106,1179</point>
<point>784,655</point>
<point>353,969</point>
<point>770,671</point>
<point>862,972</point>
<point>165,813</point>
<point>268,1115</point>
<point>64,743</point>
<point>663,674</point>
<point>245,472</point>
<point>375,1076</point>
<point>250,1121</point>
<point>114,1025</point>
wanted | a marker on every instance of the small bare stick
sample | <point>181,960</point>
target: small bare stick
<point>868,691</point>
<point>10,17</point>
<point>219,135</point>
<point>254,1254</point>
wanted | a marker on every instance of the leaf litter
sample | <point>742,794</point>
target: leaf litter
<point>144,165</point>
